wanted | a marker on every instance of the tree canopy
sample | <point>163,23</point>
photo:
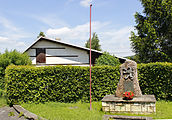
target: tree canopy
<point>94,43</point>
<point>153,40</point>
<point>41,34</point>
<point>107,59</point>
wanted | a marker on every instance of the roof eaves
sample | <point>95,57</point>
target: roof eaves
<point>33,44</point>
<point>72,45</point>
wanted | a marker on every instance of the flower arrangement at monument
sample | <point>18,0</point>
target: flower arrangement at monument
<point>128,95</point>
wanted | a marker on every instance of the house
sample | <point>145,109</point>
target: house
<point>46,51</point>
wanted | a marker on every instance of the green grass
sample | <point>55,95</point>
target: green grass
<point>80,111</point>
<point>66,111</point>
<point>2,102</point>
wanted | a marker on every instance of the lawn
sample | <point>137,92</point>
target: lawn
<point>80,111</point>
<point>2,102</point>
<point>66,111</point>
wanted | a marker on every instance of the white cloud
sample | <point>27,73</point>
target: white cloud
<point>116,41</point>
<point>113,40</point>
<point>20,44</point>
<point>10,35</point>
<point>58,31</point>
<point>51,20</point>
<point>85,3</point>
<point>3,39</point>
<point>7,24</point>
<point>76,34</point>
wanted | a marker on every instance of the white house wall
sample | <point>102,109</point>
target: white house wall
<point>78,55</point>
<point>59,54</point>
<point>33,59</point>
<point>32,52</point>
<point>44,44</point>
<point>60,60</point>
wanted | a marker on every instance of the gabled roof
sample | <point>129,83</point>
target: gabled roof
<point>122,60</point>
<point>63,43</point>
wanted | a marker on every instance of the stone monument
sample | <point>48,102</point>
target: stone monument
<point>129,83</point>
<point>128,79</point>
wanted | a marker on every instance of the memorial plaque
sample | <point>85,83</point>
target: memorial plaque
<point>128,86</point>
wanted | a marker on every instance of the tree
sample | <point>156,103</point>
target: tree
<point>11,57</point>
<point>41,34</point>
<point>94,43</point>
<point>134,58</point>
<point>153,40</point>
<point>107,59</point>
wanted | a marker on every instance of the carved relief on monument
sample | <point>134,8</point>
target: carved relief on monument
<point>128,79</point>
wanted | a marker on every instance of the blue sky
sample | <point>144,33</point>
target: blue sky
<point>113,20</point>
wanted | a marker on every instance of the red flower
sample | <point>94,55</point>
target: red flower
<point>128,95</point>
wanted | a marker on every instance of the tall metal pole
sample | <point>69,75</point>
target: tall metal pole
<point>90,57</point>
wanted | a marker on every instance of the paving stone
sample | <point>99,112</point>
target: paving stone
<point>5,112</point>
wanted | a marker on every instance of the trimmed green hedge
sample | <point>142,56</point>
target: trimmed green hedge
<point>59,83</point>
<point>71,83</point>
<point>12,57</point>
<point>156,78</point>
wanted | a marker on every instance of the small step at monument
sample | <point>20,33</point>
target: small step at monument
<point>120,117</point>
<point>128,96</point>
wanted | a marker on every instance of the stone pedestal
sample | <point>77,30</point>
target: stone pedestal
<point>142,104</point>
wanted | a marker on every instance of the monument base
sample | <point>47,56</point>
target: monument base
<point>143,104</point>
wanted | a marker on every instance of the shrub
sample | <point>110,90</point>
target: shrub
<point>1,92</point>
<point>59,83</point>
<point>11,57</point>
<point>107,59</point>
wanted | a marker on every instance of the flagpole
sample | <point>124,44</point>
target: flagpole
<point>90,57</point>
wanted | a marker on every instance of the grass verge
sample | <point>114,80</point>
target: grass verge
<point>66,111</point>
<point>2,102</point>
<point>80,111</point>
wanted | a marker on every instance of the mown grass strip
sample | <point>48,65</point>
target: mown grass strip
<point>80,111</point>
<point>2,102</point>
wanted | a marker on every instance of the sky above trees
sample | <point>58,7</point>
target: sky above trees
<point>21,22</point>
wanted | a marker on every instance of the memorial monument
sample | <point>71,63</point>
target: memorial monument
<point>128,96</point>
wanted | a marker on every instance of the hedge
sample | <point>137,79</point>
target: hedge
<point>156,78</point>
<point>71,83</point>
<point>58,83</point>
<point>12,57</point>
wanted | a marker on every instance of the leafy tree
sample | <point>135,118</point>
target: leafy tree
<point>153,40</point>
<point>94,43</point>
<point>11,57</point>
<point>134,58</point>
<point>41,34</point>
<point>107,59</point>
